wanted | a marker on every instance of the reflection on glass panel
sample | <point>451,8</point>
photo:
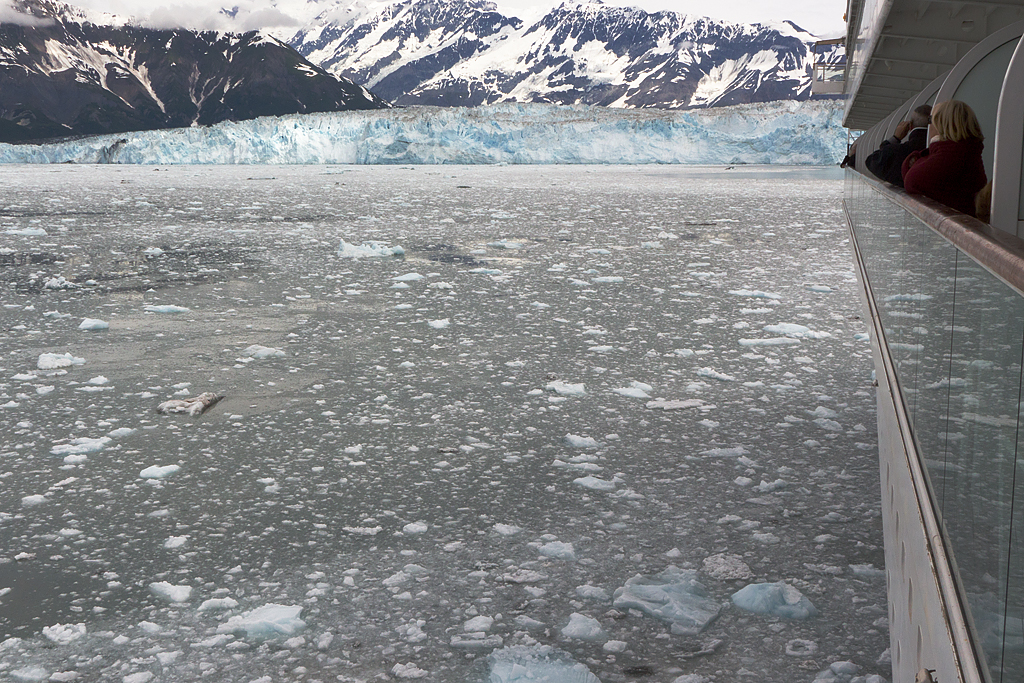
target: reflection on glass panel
<point>984,397</point>
<point>956,336</point>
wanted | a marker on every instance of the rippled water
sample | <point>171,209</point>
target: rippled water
<point>398,468</point>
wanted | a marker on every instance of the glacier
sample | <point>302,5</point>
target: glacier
<point>785,132</point>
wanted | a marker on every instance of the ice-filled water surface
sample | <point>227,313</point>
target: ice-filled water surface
<point>457,424</point>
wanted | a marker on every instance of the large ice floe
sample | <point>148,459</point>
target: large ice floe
<point>765,133</point>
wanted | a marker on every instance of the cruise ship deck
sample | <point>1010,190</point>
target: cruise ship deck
<point>945,296</point>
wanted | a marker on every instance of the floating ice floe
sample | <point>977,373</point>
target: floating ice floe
<point>593,593</point>
<point>794,330</point>
<point>175,542</point>
<point>33,500</point>
<point>193,406</point>
<point>711,373</point>
<point>169,592</point>
<point>558,550</point>
<point>819,289</point>
<point>674,596</point>
<point>266,622</point>
<point>756,294</point>
<point>30,674</point>
<point>665,404</point>
<point>159,472</point>
<point>607,279</point>
<point>505,244</point>
<point>93,324</point>
<point>485,271</point>
<point>582,627</point>
<point>370,249</point>
<point>581,441</point>
<point>54,361</point>
<point>62,634</point>
<point>777,599</point>
<point>408,277</point>
<point>217,605</point>
<point>506,529</point>
<point>634,390</point>
<point>725,567</point>
<point>81,446</point>
<point>415,528</point>
<point>26,232</point>
<point>595,484</point>
<point>566,389</point>
<point>152,252</point>
<point>476,624</point>
<point>408,671</point>
<point>260,352</point>
<point>440,324</point>
<point>60,282</point>
<point>771,341</point>
<point>536,664</point>
<point>733,452</point>
<point>165,308</point>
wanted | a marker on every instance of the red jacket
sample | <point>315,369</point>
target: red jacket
<point>948,172</point>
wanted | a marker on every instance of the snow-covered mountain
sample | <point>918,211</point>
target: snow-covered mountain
<point>65,71</point>
<point>465,52</point>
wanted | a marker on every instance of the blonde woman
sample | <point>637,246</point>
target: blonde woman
<point>950,171</point>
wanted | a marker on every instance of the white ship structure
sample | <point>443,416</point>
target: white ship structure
<point>945,295</point>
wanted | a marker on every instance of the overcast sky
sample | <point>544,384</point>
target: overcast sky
<point>821,17</point>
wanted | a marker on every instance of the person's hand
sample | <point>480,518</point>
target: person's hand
<point>902,129</point>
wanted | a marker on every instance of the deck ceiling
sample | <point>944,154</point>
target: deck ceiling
<point>918,41</point>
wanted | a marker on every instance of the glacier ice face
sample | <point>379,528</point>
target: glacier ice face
<point>772,133</point>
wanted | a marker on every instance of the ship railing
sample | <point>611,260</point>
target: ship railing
<point>945,295</point>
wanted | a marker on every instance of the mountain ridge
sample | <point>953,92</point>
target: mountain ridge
<point>64,75</point>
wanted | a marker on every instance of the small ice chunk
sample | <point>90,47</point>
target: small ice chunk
<point>595,484</point>
<point>754,293</point>
<point>714,374</point>
<point>159,472</point>
<point>93,324</point>
<point>415,528</point>
<point>165,308</point>
<point>674,595</point>
<point>175,542</point>
<point>408,671</point>
<point>217,604</point>
<point>260,352</point>
<point>54,361</point>
<point>120,432</point>
<point>266,622</point>
<point>536,664</point>
<point>580,441</point>
<point>505,244</point>
<point>440,324</point>
<point>170,592</point>
<point>507,529</point>
<point>33,500</point>
<point>614,646</point>
<point>408,277</point>
<point>777,599</point>
<point>794,330</point>
<point>675,404</point>
<point>477,624</point>
<point>558,550</point>
<point>607,279</point>
<point>139,677</point>
<point>733,452</point>
<point>81,446</point>
<point>62,634</point>
<point>369,249</point>
<point>582,627</point>
<point>725,567</point>
<point>566,389</point>
<point>152,251</point>
<point>589,592</point>
<point>29,674</point>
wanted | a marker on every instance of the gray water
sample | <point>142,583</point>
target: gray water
<point>432,422</point>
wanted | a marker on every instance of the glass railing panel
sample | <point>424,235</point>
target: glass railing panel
<point>984,405</point>
<point>1012,631</point>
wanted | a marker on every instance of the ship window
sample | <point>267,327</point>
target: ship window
<point>980,89</point>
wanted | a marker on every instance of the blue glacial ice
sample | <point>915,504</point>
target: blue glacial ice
<point>673,595</point>
<point>776,599</point>
<point>765,133</point>
<point>536,664</point>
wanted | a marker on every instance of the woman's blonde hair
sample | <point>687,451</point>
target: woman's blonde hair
<point>955,121</point>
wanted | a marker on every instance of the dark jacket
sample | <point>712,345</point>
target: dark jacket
<point>948,172</point>
<point>887,162</point>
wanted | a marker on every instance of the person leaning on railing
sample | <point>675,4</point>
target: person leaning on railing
<point>950,171</point>
<point>886,162</point>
